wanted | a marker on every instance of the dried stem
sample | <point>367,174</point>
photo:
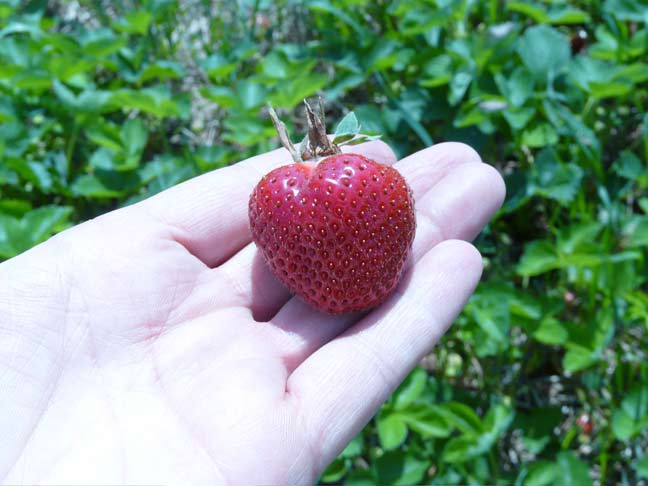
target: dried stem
<point>315,145</point>
<point>318,140</point>
<point>283,135</point>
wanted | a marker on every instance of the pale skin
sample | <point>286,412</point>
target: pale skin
<point>153,346</point>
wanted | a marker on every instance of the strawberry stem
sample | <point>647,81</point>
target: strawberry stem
<point>316,144</point>
<point>283,135</point>
<point>318,141</point>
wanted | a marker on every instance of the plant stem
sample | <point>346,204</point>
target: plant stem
<point>69,149</point>
<point>283,135</point>
<point>494,466</point>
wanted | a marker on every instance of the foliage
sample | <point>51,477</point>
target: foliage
<point>543,379</point>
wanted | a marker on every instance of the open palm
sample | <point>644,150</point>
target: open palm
<point>152,345</point>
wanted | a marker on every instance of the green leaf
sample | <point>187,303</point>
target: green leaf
<point>247,131</point>
<point>629,166</point>
<point>35,80</point>
<point>411,389</point>
<point>623,426</point>
<point>383,55</point>
<point>544,51</point>
<point>551,331</point>
<point>360,477</point>
<point>160,71</point>
<point>326,7</point>
<point>44,221</point>
<point>519,118</point>
<point>398,469</point>
<point>102,158</point>
<point>539,136</point>
<point>222,95</point>
<point>641,467</point>
<point>637,232</point>
<point>297,89</point>
<point>536,12</point>
<point>585,70</point>
<point>575,237</point>
<point>427,420</point>
<point>458,86</point>
<point>18,235</point>
<point>462,417</point>
<point>469,446</point>
<point>34,172</point>
<point>634,73</point>
<point>497,421</point>
<point>585,137</point>
<point>610,89</point>
<point>571,471</point>
<point>347,128</point>
<point>392,430</point>
<point>104,184</point>
<point>136,22</point>
<point>14,207</point>
<point>628,10</point>
<point>632,417</point>
<point>106,135</point>
<point>336,471</point>
<point>134,137</point>
<point>555,180</point>
<point>578,358</point>
<point>490,310</point>
<point>541,473</point>
<point>217,66</point>
<point>520,87</point>
<point>538,257</point>
<point>360,139</point>
<point>564,14</point>
<point>437,71</point>
<point>209,157</point>
<point>251,94</point>
<point>156,100</point>
<point>355,447</point>
<point>102,43</point>
<point>462,449</point>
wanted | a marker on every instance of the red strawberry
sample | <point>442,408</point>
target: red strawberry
<point>338,231</point>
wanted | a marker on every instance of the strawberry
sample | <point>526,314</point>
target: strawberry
<point>336,228</point>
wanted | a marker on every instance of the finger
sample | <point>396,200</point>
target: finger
<point>425,168</point>
<point>456,207</point>
<point>205,213</point>
<point>342,385</point>
<point>209,214</point>
<point>259,289</point>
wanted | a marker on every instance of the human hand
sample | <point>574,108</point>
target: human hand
<point>153,346</point>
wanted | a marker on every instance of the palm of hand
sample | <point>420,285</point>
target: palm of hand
<point>159,349</point>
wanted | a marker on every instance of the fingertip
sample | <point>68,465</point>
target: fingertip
<point>487,177</point>
<point>496,182</point>
<point>427,167</point>
<point>458,151</point>
<point>462,257</point>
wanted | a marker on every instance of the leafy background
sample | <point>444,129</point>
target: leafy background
<point>543,379</point>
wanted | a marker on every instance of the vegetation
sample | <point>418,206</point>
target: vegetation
<point>543,379</point>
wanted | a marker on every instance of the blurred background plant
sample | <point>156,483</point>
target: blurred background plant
<point>543,379</point>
